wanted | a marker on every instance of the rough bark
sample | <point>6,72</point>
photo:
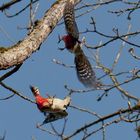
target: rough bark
<point>19,52</point>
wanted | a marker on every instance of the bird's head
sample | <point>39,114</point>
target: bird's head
<point>70,42</point>
<point>67,39</point>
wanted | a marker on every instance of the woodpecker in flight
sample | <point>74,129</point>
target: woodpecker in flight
<point>53,108</point>
<point>84,70</point>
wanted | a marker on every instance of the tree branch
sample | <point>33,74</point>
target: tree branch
<point>8,4</point>
<point>16,92</point>
<point>10,72</point>
<point>19,52</point>
<point>122,111</point>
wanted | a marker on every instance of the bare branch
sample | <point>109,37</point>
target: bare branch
<point>8,4</point>
<point>10,72</point>
<point>46,130</point>
<point>120,50</point>
<point>6,98</point>
<point>131,51</point>
<point>16,92</point>
<point>121,111</point>
<point>62,64</point>
<point>19,12</point>
<point>85,110</point>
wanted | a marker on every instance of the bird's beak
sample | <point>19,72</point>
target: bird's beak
<point>31,88</point>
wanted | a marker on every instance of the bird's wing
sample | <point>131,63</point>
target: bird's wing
<point>85,73</point>
<point>69,19</point>
<point>51,117</point>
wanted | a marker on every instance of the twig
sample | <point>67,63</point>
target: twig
<point>134,9</point>
<point>131,51</point>
<point>6,98</point>
<point>122,111</point>
<point>45,130</point>
<point>8,4</point>
<point>55,131</point>
<point>10,72</point>
<point>71,90</point>
<point>114,86</point>
<point>19,12</point>
<point>16,92</point>
<point>103,126</point>
<point>100,3</point>
<point>64,127</point>
<point>115,82</point>
<point>7,34</point>
<point>120,50</point>
<point>62,64</point>
<point>86,110</point>
<point>111,37</point>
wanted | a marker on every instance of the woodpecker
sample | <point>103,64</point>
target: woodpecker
<point>53,108</point>
<point>84,70</point>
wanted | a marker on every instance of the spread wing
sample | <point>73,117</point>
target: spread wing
<point>51,117</point>
<point>85,73</point>
<point>69,19</point>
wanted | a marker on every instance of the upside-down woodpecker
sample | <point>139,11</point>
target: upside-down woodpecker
<point>84,69</point>
<point>55,107</point>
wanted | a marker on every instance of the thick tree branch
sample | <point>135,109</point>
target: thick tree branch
<point>18,53</point>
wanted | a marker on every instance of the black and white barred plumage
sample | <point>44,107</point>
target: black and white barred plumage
<point>84,71</point>
<point>69,19</point>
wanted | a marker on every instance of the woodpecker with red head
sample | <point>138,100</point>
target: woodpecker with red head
<point>55,108</point>
<point>84,70</point>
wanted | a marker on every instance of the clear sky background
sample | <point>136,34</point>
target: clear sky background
<point>19,117</point>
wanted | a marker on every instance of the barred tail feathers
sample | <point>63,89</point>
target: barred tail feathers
<point>85,72</point>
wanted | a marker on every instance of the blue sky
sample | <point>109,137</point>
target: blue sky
<point>19,117</point>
